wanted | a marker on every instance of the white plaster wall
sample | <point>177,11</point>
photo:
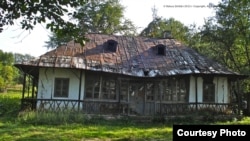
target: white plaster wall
<point>221,89</point>
<point>192,89</point>
<point>46,83</point>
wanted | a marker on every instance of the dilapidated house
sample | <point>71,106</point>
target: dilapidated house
<point>125,75</point>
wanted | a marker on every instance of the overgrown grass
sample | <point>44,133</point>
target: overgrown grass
<point>70,126</point>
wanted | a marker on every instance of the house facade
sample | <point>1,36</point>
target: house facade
<point>128,76</point>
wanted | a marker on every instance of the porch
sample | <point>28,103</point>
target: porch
<point>124,108</point>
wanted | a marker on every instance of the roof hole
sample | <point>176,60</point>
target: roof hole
<point>112,45</point>
<point>161,49</point>
<point>145,72</point>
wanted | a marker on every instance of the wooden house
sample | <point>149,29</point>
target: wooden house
<point>122,75</point>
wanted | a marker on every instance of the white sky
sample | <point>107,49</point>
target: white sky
<point>14,39</point>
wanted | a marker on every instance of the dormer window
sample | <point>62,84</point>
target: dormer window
<point>111,45</point>
<point>161,49</point>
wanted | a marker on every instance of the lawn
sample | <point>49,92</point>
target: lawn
<point>54,127</point>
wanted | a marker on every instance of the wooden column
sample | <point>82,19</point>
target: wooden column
<point>80,89</point>
<point>196,93</point>
<point>24,85</point>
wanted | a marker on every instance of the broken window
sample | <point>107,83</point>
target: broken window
<point>100,87</point>
<point>151,91</point>
<point>175,90</point>
<point>111,45</point>
<point>161,49</point>
<point>124,90</point>
<point>108,89</point>
<point>61,87</point>
<point>208,90</point>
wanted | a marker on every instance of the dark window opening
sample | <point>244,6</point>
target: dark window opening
<point>208,90</point>
<point>161,49</point>
<point>61,88</point>
<point>111,45</point>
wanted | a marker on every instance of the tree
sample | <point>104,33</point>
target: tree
<point>6,70</point>
<point>159,27</point>
<point>97,17</point>
<point>226,36</point>
<point>50,12</point>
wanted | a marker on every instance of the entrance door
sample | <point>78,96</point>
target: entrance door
<point>136,98</point>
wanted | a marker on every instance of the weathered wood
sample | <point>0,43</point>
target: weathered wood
<point>123,108</point>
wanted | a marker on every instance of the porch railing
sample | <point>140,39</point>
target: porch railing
<point>123,108</point>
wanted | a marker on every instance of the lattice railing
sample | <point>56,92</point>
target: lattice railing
<point>114,107</point>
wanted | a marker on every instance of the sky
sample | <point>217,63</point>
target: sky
<point>14,39</point>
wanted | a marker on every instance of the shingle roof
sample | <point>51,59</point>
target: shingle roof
<point>135,56</point>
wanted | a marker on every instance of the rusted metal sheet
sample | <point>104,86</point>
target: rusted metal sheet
<point>135,56</point>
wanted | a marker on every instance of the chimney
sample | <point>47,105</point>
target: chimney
<point>167,34</point>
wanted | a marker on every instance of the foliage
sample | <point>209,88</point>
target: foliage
<point>96,17</point>
<point>10,104</point>
<point>32,12</point>
<point>7,71</point>
<point>104,17</point>
<point>159,26</point>
<point>166,28</point>
<point>225,37</point>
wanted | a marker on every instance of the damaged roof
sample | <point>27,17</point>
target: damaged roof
<point>134,56</point>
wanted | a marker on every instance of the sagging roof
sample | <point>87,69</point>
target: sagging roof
<point>134,56</point>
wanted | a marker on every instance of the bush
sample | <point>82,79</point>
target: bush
<point>9,104</point>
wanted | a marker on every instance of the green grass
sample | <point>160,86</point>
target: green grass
<point>65,127</point>
<point>77,132</point>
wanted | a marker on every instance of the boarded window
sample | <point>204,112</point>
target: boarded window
<point>208,90</point>
<point>61,88</point>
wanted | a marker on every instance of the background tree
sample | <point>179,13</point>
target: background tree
<point>159,27</point>
<point>50,12</point>
<point>7,71</point>
<point>225,37</point>
<point>97,17</point>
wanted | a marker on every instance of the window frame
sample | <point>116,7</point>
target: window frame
<point>100,87</point>
<point>61,87</point>
<point>208,90</point>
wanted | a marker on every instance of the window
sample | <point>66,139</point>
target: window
<point>151,91</point>
<point>61,88</point>
<point>100,87</point>
<point>208,90</point>
<point>124,90</point>
<point>175,90</point>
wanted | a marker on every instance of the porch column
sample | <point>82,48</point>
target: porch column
<point>196,93</point>
<point>23,92</point>
<point>80,89</point>
<point>24,85</point>
<point>33,87</point>
<point>239,97</point>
